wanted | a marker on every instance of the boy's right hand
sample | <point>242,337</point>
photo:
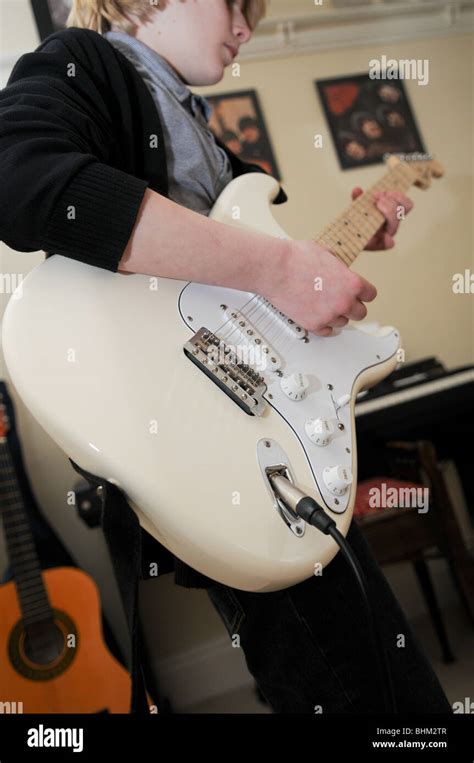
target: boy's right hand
<point>317,290</point>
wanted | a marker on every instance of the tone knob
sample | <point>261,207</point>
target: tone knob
<point>295,386</point>
<point>319,431</point>
<point>337,479</point>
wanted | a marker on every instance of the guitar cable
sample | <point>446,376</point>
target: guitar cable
<point>307,508</point>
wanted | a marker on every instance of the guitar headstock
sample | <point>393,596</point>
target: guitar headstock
<point>424,169</point>
<point>4,420</point>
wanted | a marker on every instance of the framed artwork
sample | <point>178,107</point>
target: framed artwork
<point>237,120</point>
<point>50,15</point>
<point>368,118</point>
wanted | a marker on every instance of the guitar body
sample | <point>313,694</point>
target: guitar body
<point>99,359</point>
<point>84,677</point>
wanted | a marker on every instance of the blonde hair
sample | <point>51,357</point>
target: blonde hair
<point>100,15</point>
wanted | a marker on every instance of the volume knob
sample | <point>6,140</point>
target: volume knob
<point>319,431</point>
<point>295,386</point>
<point>337,479</point>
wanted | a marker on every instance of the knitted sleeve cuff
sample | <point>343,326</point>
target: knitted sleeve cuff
<point>94,216</point>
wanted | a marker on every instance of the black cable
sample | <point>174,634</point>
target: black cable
<point>311,512</point>
<point>383,668</point>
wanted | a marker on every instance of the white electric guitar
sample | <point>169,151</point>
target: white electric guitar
<point>187,395</point>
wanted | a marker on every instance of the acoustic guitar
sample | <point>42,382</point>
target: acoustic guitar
<point>188,396</point>
<point>52,655</point>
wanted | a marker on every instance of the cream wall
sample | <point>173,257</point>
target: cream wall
<point>413,281</point>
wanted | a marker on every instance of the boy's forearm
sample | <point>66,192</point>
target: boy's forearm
<point>171,241</point>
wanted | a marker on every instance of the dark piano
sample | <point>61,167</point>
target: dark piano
<point>420,400</point>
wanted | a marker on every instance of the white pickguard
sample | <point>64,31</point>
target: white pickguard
<point>337,361</point>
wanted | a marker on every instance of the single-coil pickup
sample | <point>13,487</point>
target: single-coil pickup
<point>258,352</point>
<point>298,331</point>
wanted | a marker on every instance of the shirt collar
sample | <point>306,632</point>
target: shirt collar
<point>160,70</point>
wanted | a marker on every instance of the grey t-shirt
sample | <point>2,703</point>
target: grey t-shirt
<point>198,169</point>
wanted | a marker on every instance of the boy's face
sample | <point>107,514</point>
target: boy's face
<point>199,38</point>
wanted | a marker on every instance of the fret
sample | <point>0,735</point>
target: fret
<point>330,244</point>
<point>370,216</point>
<point>25,598</point>
<point>6,496</point>
<point>33,609</point>
<point>12,533</point>
<point>29,582</point>
<point>384,184</point>
<point>30,566</point>
<point>350,233</point>
<point>355,219</point>
<point>351,248</point>
<point>37,618</point>
<point>16,551</point>
<point>31,576</point>
<point>12,507</point>
<point>21,566</point>
<point>337,245</point>
<point>23,543</point>
<point>362,230</point>
<point>10,516</point>
<point>23,553</point>
<point>407,174</point>
<point>399,181</point>
<point>341,231</point>
<point>13,528</point>
<point>35,612</point>
<point>13,516</point>
<point>38,584</point>
<point>356,215</point>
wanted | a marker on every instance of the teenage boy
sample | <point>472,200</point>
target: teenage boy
<point>76,121</point>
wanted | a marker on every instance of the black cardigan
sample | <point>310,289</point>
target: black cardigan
<point>76,122</point>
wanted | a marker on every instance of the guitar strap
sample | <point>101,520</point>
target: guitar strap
<point>123,537</point>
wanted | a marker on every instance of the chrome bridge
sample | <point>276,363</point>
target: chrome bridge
<point>221,364</point>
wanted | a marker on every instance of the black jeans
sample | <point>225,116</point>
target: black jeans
<point>308,646</point>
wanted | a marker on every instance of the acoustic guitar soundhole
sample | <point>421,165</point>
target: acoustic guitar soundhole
<point>45,646</point>
<point>44,650</point>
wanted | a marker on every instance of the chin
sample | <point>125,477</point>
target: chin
<point>214,74</point>
<point>210,76</point>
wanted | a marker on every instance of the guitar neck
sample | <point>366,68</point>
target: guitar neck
<point>22,554</point>
<point>349,233</point>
